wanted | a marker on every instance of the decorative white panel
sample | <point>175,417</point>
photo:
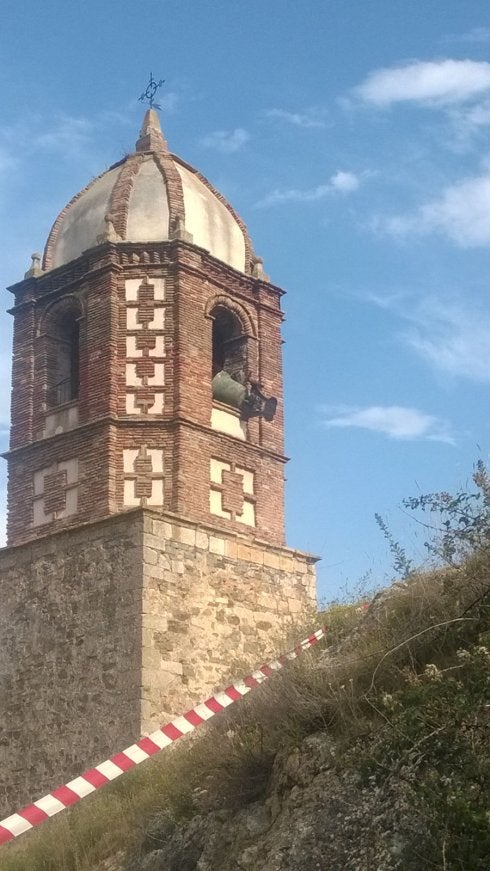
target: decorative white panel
<point>216,504</point>
<point>131,287</point>
<point>248,479</point>
<point>231,492</point>
<point>248,514</point>
<point>55,492</point>
<point>217,467</point>
<point>143,476</point>
<point>145,346</point>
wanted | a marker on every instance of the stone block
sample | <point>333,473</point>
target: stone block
<point>158,530</point>
<point>295,606</point>
<point>146,637</point>
<point>160,680</point>
<point>153,577</point>
<point>168,530</point>
<point>153,541</point>
<point>186,535</point>
<point>150,658</point>
<point>264,625</point>
<point>202,540</point>
<point>272,560</point>
<point>267,602</point>
<point>231,548</point>
<point>244,552</point>
<point>147,523</point>
<point>257,555</point>
<point>171,666</point>
<point>216,545</point>
<point>150,556</point>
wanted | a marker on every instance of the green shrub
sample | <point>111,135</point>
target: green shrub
<point>433,751</point>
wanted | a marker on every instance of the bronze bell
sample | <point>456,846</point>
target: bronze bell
<point>227,390</point>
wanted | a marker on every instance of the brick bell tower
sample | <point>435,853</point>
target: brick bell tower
<point>145,347</point>
<point>146,555</point>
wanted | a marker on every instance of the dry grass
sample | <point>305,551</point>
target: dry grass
<point>332,687</point>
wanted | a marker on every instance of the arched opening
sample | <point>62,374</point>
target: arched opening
<point>63,356</point>
<point>230,365</point>
<point>229,344</point>
<point>232,382</point>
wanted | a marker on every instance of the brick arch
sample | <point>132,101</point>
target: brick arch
<point>58,309</point>
<point>58,352</point>
<point>173,184</point>
<point>117,209</point>
<point>220,300</point>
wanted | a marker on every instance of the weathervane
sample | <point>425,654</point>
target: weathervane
<point>148,96</point>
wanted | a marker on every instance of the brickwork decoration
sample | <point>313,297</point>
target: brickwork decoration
<point>145,346</point>
<point>143,477</point>
<point>231,492</point>
<point>55,492</point>
<point>146,310</point>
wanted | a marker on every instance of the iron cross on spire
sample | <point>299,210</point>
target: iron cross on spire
<point>148,96</point>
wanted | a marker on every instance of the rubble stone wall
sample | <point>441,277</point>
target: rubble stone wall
<point>109,629</point>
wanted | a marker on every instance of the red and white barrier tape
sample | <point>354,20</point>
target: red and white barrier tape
<point>93,779</point>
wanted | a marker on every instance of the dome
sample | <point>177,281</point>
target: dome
<point>149,196</point>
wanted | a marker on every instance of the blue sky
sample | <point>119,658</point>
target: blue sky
<point>353,138</point>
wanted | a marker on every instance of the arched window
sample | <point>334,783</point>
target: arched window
<point>232,382</point>
<point>229,344</point>
<point>63,352</point>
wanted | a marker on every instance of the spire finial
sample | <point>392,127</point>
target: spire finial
<point>151,137</point>
<point>148,96</point>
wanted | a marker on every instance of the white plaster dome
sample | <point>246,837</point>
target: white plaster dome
<point>150,196</point>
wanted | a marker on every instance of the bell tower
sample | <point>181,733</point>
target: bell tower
<point>147,359</point>
<point>146,551</point>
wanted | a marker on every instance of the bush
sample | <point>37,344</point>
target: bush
<point>432,757</point>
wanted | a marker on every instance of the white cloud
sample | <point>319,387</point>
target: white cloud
<point>477,115</point>
<point>462,213</point>
<point>475,35</point>
<point>466,122</point>
<point>453,339</point>
<point>394,421</point>
<point>308,119</point>
<point>68,136</point>
<point>340,182</point>
<point>344,181</point>
<point>449,335</point>
<point>442,83</point>
<point>226,141</point>
<point>63,135</point>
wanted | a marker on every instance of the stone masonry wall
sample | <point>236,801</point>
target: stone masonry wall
<point>70,655</point>
<point>214,603</point>
<point>110,629</point>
